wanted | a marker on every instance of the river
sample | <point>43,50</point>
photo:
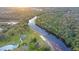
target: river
<point>51,39</point>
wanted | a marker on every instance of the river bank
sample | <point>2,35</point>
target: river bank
<point>50,37</point>
<point>62,39</point>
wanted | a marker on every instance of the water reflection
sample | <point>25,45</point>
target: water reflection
<point>50,37</point>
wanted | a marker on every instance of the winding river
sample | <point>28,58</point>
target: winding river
<point>54,42</point>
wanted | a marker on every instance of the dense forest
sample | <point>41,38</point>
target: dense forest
<point>63,22</point>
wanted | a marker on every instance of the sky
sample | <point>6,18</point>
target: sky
<point>38,3</point>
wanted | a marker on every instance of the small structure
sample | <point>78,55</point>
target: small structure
<point>2,37</point>
<point>1,29</point>
<point>22,37</point>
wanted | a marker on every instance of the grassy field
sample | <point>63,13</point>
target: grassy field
<point>32,40</point>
